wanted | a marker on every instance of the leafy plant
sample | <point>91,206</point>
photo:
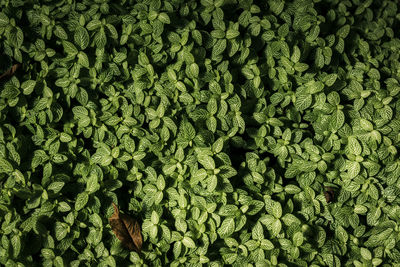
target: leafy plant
<point>235,132</point>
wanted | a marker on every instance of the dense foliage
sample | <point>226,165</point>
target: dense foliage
<point>237,132</point>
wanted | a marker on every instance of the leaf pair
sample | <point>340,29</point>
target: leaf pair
<point>126,229</point>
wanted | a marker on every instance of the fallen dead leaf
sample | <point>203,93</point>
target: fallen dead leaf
<point>329,194</point>
<point>11,71</point>
<point>126,229</point>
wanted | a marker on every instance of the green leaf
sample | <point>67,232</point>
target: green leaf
<point>366,125</point>
<point>55,187</point>
<point>277,210</point>
<point>100,38</point>
<point>207,162</point>
<point>61,230</point>
<point>337,120</point>
<point>81,38</point>
<point>3,20</point>
<point>164,18</point>
<point>292,189</point>
<point>303,102</point>
<point>5,166</point>
<point>366,254</point>
<point>16,245</point>
<point>69,48</point>
<point>298,239</point>
<point>93,25</point>
<point>60,33</point>
<point>188,242</point>
<point>330,80</point>
<point>81,200</point>
<point>219,48</point>
<point>354,146</point>
<point>212,183</point>
<point>92,184</point>
<point>276,227</point>
<point>277,6</point>
<point>28,87</point>
<point>83,59</point>
<point>231,34</point>
<point>227,227</point>
<point>353,168</point>
<point>258,231</point>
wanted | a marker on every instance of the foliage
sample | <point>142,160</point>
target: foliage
<point>237,132</point>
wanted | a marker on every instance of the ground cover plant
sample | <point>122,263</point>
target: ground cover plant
<point>199,133</point>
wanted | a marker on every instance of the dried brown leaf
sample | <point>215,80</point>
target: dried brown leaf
<point>126,229</point>
<point>11,71</point>
<point>329,194</point>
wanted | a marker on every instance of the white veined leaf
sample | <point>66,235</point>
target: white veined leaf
<point>181,225</point>
<point>227,227</point>
<point>92,184</point>
<point>188,242</point>
<point>353,168</point>
<point>212,183</point>
<point>155,218</point>
<point>194,70</point>
<point>164,18</point>
<point>219,47</point>
<point>93,25</point>
<point>81,200</point>
<point>218,145</point>
<point>292,189</point>
<point>257,232</point>
<point>100,38</point>
<point>298,239</point>
<point>61,230</point>
<point>5,166</point>
<point>296,54</point>
<point>169,169</point>
<point>28,87</point>
<point>211,123</point>
<point>113,32</point>
<point>277,6</point>
<point>3,20</point>
<point>366,254</point>
<point>330,80</point>
<point>303,101</point>
<point>266,244</point>
<point>231,34</point>
<point>341,234</point>
<point>83,59</point>
<point>153,231</point>
<point>177,249</point>
<point>151,174</point>
<point>81,38</point>
<point>60,33</point>
<point>354,146</point>
<point>276,227</point>
<point>198,176</point>
<point>55,187</point>
<point>70,48</point>
<point>333,98</point>
<point>207,162</point>
<point>336,120</point>
<point>360,209</point>
<point>366,125</point>
<point>277,209</point>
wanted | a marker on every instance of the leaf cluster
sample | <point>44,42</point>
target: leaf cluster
<point>235,132</point>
